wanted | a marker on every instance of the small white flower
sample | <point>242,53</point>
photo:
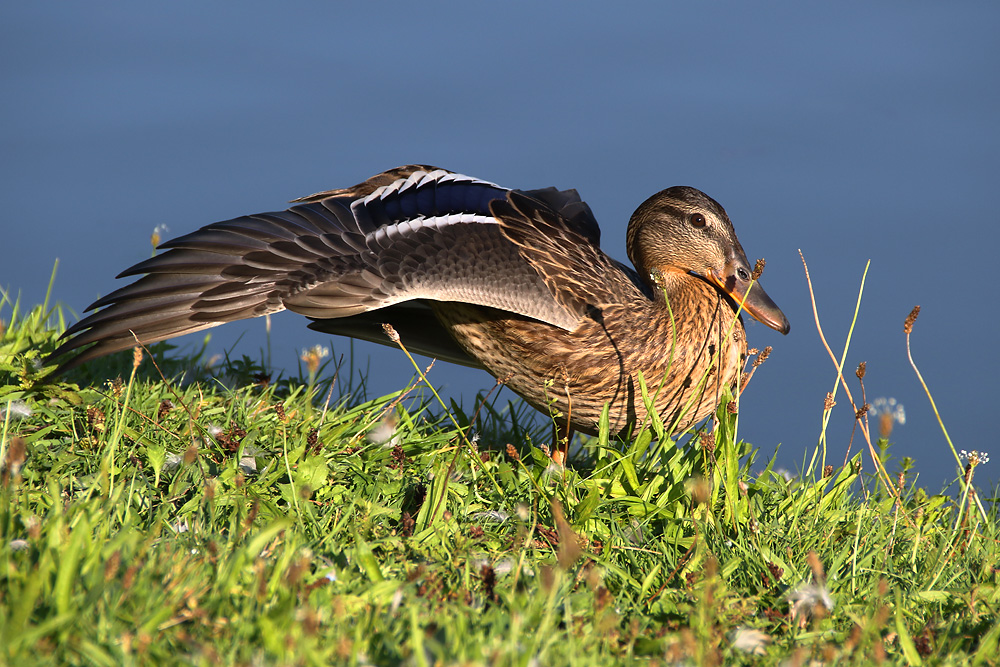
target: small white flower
<point>503,566</point>
<point>807,597</point>
<point>384,433</point>
<point>248,465</point>
<point>749,640</point>
<point>172,461</point>
<point>784,474</point>
<point>18,545</point>
<point>313,356</point>
<point>974,457</point>
<point>16,410</point>
<point>890,407</point>
<point>158,233</point>
<point>633,532</point>
<point>553,471</point>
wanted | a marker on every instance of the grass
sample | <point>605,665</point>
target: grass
<point>279,521</point>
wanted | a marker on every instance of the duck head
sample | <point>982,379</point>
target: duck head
<point>681,229</point>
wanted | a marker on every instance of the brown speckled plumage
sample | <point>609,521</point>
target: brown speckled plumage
<point>510,281</point>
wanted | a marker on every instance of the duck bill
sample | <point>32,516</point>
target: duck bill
<point>753,298</point>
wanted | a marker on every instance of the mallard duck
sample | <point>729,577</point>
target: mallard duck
<point>510,281</point>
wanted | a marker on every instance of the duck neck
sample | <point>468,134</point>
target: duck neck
<point>675,286</point>
<point>669,281</point>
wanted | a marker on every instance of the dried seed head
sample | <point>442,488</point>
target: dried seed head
<point>862,367</point>
<point>910,319</point>
<point>312,441</point>
<point>816,566</point>
<point>390,332</point>
<point>762,357</point>
<point>828,471</point>
<point>512,452</point>
<point>758,269</point>
<point>731,407</point>
<point>708,442</point>
<point>828,403</point>
<point>95,418</point>
<point>885,424</point>
<point>570,544</point>
<point>13,460</point>
<point>862,411</point>
<point>112,565</point>
<point>701,490</point>
<point>136,356</point>
<point>547,577</point>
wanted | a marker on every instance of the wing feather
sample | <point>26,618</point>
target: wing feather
<point>411,234</point>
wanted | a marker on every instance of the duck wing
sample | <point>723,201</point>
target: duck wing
<point>413,233</point>
<point>577,273</point>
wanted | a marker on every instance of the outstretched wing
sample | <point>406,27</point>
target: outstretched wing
<point>559,249</point>
<point>413,233</point>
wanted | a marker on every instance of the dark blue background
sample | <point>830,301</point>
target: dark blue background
<point>853,131</point>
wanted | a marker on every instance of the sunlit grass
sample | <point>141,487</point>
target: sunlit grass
<point>276,521</point>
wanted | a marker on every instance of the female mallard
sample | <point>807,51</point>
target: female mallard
<point>513,282</point>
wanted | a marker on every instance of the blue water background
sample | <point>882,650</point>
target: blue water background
<point>851,131</point>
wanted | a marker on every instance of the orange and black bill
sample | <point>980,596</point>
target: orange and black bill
<point>735,281</point>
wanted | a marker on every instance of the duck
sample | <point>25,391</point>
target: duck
<point>510,281</point>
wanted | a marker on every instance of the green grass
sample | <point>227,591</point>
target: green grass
<point>145,521</point>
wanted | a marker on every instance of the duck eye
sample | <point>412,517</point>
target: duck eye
<point>742,273</point>
<point>698,220</point>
